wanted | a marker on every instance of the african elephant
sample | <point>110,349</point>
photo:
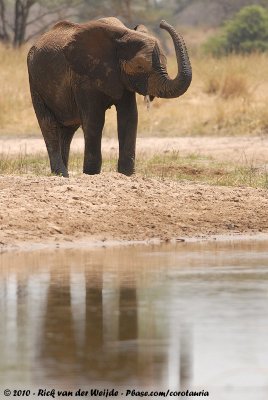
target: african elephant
<point>78,71</point>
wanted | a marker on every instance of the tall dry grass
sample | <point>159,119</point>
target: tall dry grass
<point>16,112</point>
<point>228,96</point>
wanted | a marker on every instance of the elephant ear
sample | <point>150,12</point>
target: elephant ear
<point>91,51</point>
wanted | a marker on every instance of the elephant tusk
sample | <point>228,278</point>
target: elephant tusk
<point>147,102</point>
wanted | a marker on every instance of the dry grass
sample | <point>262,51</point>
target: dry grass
<point>16,112</point>
<point>204,169</point>
<point>228,96</point>
<point>163,166</point>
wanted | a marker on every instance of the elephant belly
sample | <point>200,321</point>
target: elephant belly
<point>68,118</point>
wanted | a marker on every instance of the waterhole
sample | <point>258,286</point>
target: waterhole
<point>192,316</point>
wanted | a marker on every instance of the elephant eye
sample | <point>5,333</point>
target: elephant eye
<point>140,68</point>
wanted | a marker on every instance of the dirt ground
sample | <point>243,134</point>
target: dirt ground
<point>112,207</point>
<point>239,149</point>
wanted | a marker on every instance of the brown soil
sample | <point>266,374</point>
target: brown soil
<point>112,206</point>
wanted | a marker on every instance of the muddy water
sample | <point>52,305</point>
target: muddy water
<point>186,317</point>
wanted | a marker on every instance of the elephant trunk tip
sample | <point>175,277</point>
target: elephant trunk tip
<point>165,25</point>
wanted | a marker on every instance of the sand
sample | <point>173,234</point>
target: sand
<point>112,208</point>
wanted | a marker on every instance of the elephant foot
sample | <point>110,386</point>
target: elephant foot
<point>126,167</point>
<point>91,171</point>
<point>127,173</point>
<point>63,173</point>
<point>92,167</point>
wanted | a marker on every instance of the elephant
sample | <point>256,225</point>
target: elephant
<point>78,71</point>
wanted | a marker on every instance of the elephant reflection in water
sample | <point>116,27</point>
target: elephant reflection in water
<point>91,333</point>
<point>67,350</point>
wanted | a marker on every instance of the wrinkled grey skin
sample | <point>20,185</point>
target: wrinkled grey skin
<point>78,71</point>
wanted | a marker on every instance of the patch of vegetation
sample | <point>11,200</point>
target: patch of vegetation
<point>203,169</point>
<point>24,164</point>
<point>38,164</point>
<point>172,166</point>
<point>246,32</point>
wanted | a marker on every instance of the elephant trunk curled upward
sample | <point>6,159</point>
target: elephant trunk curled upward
<point>78,71</point>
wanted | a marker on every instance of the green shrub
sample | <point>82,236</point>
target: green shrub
<point>247,32</point>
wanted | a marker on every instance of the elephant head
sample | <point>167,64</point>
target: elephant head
<point>116,57</point>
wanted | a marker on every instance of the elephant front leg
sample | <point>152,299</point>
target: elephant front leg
<point>127,121</point>
<point>92,127</point>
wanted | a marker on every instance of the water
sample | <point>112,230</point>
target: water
<point>192,316</point>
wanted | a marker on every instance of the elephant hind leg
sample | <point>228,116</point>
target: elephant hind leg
<point>52,132</point>
<point>57,165</point>
<point>66,137</point>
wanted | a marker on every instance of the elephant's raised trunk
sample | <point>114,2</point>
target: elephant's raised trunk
<point>170,88</point>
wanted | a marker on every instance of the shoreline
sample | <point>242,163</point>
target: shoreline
<point>95,244</point>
